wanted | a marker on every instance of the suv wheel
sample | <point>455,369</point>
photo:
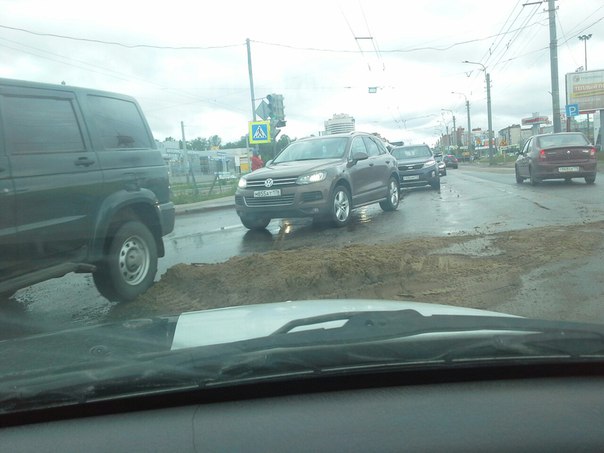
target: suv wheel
<point>391,202</point>
<point>590,179</point>
<point>129,268</point>
<point>255,223</point>
<point>436,184</point>
<point>340,206</point>
<point>519,179</point>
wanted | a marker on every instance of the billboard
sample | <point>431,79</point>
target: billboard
<point>586,89</point>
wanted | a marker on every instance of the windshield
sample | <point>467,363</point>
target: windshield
<point>411,152</point>
<point>326,148</point>
<point>199,193</point>
<point>553,141</point>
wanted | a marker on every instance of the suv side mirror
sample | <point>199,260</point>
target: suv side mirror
<point>359,155</point>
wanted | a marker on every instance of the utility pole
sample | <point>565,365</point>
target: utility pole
<point>470,141</point>
<point>489,115</point>
<point>584,38</point>
<point>454,133</point>
<point>454,128</point>
<point>249,69</point>
<point>553,56</point>
<point>186,157</point>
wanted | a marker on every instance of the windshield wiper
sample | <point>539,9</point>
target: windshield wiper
<point>402,323</point>
<point>401,338</point>
<point>307,347</point>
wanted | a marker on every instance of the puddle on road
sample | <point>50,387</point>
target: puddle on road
<point>480,247</point>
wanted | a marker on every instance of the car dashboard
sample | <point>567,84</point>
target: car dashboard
<point>539,409</point>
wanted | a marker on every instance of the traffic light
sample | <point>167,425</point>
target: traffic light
<point>275,107</point>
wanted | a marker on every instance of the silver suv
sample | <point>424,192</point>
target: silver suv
<point>321,177</point>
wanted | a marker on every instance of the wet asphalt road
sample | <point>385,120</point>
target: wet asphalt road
<point>471,201</point>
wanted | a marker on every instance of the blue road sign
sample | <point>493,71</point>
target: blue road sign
<point>260,132</point>
<point>572,109</point>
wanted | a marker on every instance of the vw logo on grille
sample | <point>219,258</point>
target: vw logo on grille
<point>268,183</point>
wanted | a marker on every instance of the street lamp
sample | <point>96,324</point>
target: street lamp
<point>490,119</point>
<point>470,141</point>
<point>585,38</point>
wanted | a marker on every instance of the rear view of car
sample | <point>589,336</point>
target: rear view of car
<point>417,166</point>
<point>451,161</point>
<point>564,155</point>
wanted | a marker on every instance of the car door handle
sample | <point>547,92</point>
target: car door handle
<point>83,162</point>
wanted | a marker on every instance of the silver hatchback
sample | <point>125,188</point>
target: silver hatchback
<point>321,177</point>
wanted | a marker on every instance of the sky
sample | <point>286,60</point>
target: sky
<point>187,61</point>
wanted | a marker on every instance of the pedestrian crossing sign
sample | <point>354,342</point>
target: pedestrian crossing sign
<point>260,132</point>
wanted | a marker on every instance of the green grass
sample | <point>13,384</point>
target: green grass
<point>183,193</point>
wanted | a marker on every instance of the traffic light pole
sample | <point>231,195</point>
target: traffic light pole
<point>249,69</point>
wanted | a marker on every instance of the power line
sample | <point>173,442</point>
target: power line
<point>499,38</point>
<point>115,43</point>
<point>80,64</point>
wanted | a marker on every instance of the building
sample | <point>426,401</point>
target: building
<point>340,123</point>
<point>511,136</point>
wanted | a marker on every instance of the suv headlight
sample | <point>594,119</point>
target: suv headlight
<point>430,163</point>
<point>242,184</point>
<point>313,177</point>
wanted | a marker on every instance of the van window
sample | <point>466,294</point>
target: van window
<point>119,123</point>
<point>40,125</point>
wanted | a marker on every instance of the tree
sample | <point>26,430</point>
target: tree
<point>200,144</point>
<point>241,143</point>
<point>283,142</point>
<point>215,140</point>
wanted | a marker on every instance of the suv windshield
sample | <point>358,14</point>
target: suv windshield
<point>410,152</point>
<point>325,148</point>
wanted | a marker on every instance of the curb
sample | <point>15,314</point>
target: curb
<point>198,209</point>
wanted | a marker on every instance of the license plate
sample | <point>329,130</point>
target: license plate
<point>410,178</point>
<point>568,169</point>
<point>267,193</point>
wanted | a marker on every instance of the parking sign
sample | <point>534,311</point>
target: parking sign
<point>572,109</point>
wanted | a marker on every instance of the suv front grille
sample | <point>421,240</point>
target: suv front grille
<point>277,182</point>
<point>410,167</point>
<point>263,202</point>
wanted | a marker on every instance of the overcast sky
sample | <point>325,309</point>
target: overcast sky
<point>187,61</point>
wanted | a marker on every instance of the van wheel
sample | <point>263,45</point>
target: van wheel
<point>340,206</point>
<point>130,265</point>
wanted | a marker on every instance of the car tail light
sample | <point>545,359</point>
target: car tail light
<point>542,154</point>
<point>592,152</point>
